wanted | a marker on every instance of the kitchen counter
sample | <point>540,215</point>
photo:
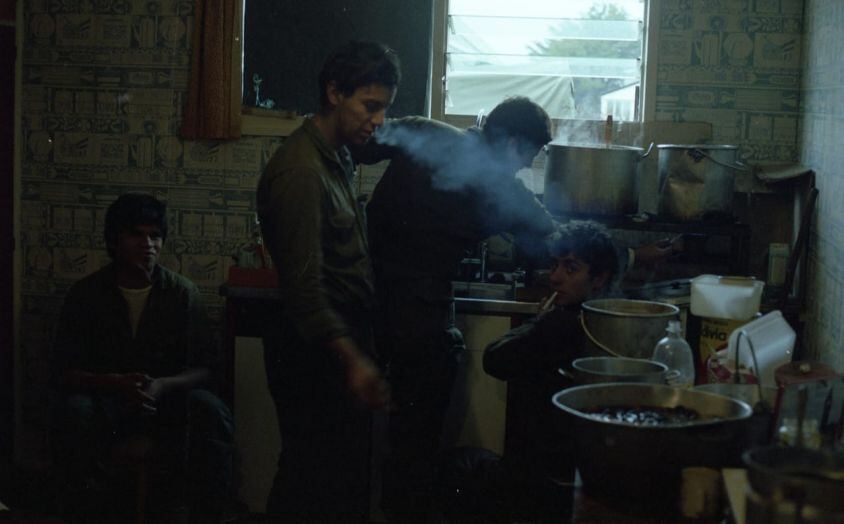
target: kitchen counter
<point>246,309</point>
<point>484,306</point>
<point>469,306</point>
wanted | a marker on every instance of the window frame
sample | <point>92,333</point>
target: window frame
<point>647,92</point>
<point>265,122</point>
<point>255,121</point>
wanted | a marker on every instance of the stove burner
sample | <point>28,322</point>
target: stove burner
<point>665,289</point>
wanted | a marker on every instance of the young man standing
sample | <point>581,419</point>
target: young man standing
<point>318,350</point>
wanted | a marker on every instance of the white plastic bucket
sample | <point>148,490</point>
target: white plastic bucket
<point>735,298</point>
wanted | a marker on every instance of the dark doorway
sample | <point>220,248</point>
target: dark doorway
<point>7,112</point>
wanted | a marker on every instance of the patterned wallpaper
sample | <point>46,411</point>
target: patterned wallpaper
<point>823,129</point>
<point>736,64</point>
<point>103,87</point>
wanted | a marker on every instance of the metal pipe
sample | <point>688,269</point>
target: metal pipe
<point>484,254</point>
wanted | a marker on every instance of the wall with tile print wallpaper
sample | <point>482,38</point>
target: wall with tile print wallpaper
<point>103,89</point>
<point>821,149</point>
<point>736,64</point>
<point>103,92</point>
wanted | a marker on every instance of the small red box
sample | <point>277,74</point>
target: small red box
<point>252,277</point>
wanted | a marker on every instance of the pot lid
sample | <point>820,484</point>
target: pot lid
<point>696,146</point>
<point>596,146</point>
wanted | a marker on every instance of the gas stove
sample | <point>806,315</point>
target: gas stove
<point>676,291</point>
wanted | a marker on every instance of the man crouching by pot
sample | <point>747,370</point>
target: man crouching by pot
<point>583,263</point>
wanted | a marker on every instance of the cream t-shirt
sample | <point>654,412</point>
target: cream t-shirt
<point>136,300</point>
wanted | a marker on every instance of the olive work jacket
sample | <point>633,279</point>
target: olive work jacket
<point>315,233</point>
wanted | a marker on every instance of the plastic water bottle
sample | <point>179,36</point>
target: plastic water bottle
<point>673,351</point>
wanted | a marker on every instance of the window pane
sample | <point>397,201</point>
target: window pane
<point>519,34</point>
<point>578,58</point>
<point>541,8</point>
<point>545,65</point>
<point>286,43</point>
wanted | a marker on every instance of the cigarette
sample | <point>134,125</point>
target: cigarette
<point>550,302</point>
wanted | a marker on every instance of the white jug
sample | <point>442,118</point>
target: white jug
<point>772,340</point>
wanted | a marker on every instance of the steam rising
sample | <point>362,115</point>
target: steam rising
<point>456,161</point>
<point>591,133</point>
<point>461,161</point>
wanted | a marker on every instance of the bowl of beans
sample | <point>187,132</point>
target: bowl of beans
<point>633,440</point>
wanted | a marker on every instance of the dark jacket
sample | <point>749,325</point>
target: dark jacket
<point>94,333</point>
<point>529,357</point>
<point>442,193</point>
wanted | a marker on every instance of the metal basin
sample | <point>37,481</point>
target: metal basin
<point>759,432</point>
<point>638,461</point>
<point>625,328</point>
<point>753,394</point>
<point>595,370</point>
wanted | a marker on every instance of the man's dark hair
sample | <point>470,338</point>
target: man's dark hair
<point>521,118</point>
<point>130,210</point>
<point>588,241</point>
<point>358,64</point>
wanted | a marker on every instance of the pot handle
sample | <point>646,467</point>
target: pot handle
<point>671,377</point>
<point>566,374</point>
<point>697,154</point>
<point>593,339</point>
<point>648,152</point>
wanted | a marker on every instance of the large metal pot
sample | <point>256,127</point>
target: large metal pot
<point>624,327</point>
<point>592,179</point>
<point>631,461</point>
<point>596,370</point>
<point>696,182</point>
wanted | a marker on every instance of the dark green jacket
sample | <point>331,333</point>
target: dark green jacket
<point>528,357</point>
<point>94,333</point>
<point>315,234</point>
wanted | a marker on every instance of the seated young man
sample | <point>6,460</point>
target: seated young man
<point>131,358</point>
<point>583,263</point>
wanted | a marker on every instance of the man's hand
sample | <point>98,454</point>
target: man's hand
<point>127,384</point>
<point>363,379</point>
<point>132,386</point>
<point>366,383</point>
<point>157,388</point>
<point>651,254</point>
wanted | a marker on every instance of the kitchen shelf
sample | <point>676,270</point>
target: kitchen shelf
<point>738,233</point>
